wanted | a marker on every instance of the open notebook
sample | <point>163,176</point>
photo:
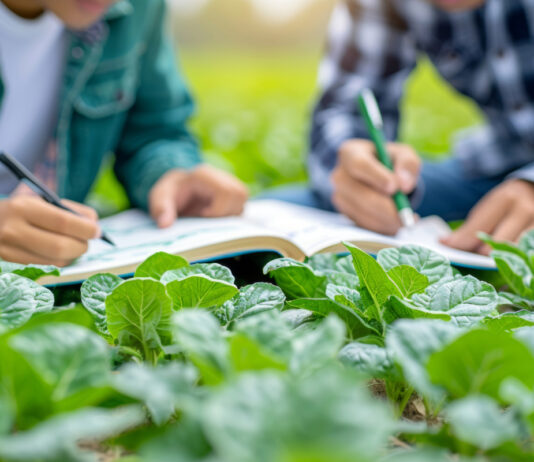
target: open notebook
<point>290,230</point>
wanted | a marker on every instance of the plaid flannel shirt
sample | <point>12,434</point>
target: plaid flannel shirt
<point>487,54</point>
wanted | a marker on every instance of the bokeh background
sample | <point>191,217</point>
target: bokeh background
<point>252,66</point>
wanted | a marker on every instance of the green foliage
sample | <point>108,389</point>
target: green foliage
<point>272,373</point>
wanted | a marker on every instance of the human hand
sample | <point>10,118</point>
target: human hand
<point>33,231</point>
<point>204,191</point>
<point>505,213</point>
<point>363,187</point>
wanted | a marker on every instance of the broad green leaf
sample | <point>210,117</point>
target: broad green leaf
<point>323,262</point>
<point>346,265</point>
<point>156,265</point>
<point>374,279</point>
<point>312,350</point>
<point>525,335</point>
<point>20,299</point>
<point>502,246</point>
<point>479,421</point>
<point>57,439</point>
<point>515,271</point>
<point>516,301</point>
<point>515,393</point>
<point>138,315</point>
<point>479,361</point>
<point>210,270</point>
<point>69,358</point>
<point>250,301</point>
<point>270,331</point>
<point>160,388</point>
<point>199,335</point>
<point>94,292</point>
<point>343,279</point>
<point>296,318</point>
<point>420,455</point>
<point>267,417</point>
<point>433,265</point>
<point>466,299</point>
<point>410,343</point>
<point>7,412</point>
<point>199,292</point>
<point>346,296</point>
<point>357,326</point>
<point>247,354</point>
<point>405,309</point>
<point>33,272</point>
<point>371,360</point>
<point>507,322</point>
<point>408,280</point>
<point>297,280</point>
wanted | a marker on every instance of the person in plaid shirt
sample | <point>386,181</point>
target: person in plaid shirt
<point>484,49</point>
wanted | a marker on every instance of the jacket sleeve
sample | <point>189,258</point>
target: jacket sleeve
<point>155,138</point>
<point>369,46</point>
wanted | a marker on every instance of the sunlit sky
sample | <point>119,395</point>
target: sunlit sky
<point>271,10</point>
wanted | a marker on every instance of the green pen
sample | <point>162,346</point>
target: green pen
<point>375,125</point>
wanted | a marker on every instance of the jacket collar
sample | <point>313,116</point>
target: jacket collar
<point>119,9</point>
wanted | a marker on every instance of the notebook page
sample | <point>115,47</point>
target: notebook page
<point>314,230</point>
<point>137,237</point>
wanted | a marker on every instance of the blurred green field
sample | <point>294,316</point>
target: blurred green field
<point>254,109</point>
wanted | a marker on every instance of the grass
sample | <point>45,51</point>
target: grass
<point>254,110</point>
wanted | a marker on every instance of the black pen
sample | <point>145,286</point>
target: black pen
<point>23,174</point>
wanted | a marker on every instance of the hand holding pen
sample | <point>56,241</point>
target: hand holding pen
<point>373,178</point>
<point>33,230</point>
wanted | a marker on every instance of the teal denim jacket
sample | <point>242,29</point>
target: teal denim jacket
<point>122,93</point>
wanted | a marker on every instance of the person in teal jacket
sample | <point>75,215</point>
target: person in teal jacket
<point>80,79</point>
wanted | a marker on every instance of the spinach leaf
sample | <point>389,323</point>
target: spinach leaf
<point>138,316</point>
<point>375,280</point>
<point>478,420</point>
<point>155,266</point>
<point>371,360</point>
<point>198,334</point>
<point>58,438</point>
<point>408,280</point>
<point>250,301</point>
<point>516,273</point>
<point>466,299</point>
<point>431,264</point>
<point>297,280</point>
<point>211,270</point>
<point>94,292</point>
<point>410,344</point>
<point>20,299</point>
<point>33,272</point>
<point>161,388</point>
<point>199,292</point>
<point>479,362</point>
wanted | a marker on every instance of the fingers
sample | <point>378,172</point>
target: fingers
<point>81,209</point>
<point>358,159</point>
<point>162,199</point>
<point>365,206</point>
<point>25,257</point>
<point>407,166</point>
<point>484,218</point>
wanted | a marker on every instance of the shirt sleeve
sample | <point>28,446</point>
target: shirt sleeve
<point>156,138</point>
<point>369,46</point>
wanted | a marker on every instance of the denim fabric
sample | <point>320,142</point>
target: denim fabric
<point>122,93</point>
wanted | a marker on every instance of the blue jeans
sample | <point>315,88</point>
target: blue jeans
<point>443,190</point>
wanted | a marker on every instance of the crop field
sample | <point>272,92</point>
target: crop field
<point>339,359</point>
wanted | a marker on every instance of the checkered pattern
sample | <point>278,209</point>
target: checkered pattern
<point>487,54</point>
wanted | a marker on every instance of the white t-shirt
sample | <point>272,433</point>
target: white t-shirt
<point>32,54</point>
